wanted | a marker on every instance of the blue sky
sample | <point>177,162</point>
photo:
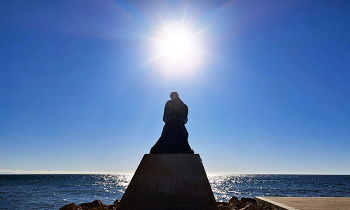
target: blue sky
<point>80,90</point>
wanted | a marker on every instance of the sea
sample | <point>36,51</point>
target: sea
<point>56,190</point>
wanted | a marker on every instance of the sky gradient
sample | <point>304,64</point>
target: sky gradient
<point>80,89</point>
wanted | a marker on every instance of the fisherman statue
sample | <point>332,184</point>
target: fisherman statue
<point>174,138</point>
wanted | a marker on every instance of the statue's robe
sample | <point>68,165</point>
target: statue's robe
<point>174,138</point>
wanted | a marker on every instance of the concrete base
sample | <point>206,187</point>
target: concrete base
<point>169,182</point>
<point>306,203</point>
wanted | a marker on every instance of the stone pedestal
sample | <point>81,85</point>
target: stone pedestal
<point>169,182</point>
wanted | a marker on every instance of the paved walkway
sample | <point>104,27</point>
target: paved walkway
<point>306,203</point>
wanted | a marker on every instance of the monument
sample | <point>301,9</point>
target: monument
<point>174,136</point>
<point>171,177</point>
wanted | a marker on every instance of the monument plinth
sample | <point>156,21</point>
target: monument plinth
<point>169,182</point>
<point>171,177</point>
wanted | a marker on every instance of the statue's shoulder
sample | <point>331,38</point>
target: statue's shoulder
<point>184,104</point>
<point>168,103</point>
<point>178,104</point>
<point>186,107</point>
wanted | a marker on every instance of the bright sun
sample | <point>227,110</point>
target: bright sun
<point>177,47</point>
<point>176,44</point>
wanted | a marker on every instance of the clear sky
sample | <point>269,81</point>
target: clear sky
<point>83,84</point>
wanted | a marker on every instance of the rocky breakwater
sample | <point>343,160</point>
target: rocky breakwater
<point>233,204</point>
<point>244,204</point>
<point>94,205</point>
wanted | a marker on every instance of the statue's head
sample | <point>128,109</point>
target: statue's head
<point>174,95</point>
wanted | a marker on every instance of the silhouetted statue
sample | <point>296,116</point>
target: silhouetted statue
<point>174,136</point>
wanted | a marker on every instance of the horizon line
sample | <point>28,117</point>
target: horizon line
<point>47,172</point>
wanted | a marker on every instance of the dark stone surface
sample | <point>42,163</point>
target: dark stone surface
<point>250,200</point>
<point>71,206</point>
<point>234,198</point>
<point>174,138</point>
<point>94,205</point>
<point>169,182</point>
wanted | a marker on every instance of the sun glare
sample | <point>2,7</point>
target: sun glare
<point>176,47</point>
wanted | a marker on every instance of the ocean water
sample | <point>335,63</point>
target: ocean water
<point>55,191</point>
